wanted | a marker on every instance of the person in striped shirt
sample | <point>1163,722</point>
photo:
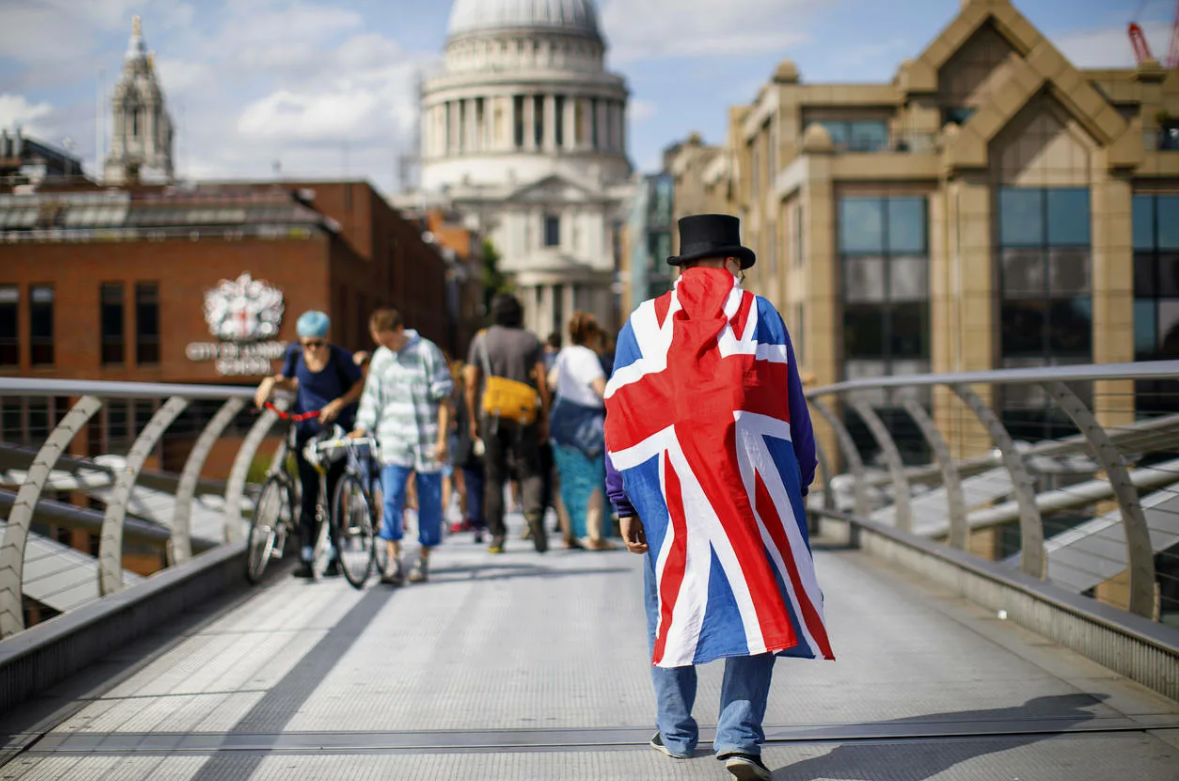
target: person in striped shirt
<point>406,405</point>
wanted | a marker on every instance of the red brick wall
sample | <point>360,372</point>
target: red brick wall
<point>183,268</point>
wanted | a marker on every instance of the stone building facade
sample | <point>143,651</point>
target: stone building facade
<point>991,206</point>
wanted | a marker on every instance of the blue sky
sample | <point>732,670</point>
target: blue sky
<point>325,88</point>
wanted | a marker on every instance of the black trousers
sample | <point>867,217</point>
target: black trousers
<point>511,449</point>
<point>309,480</point>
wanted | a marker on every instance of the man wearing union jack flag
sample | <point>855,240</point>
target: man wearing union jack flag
<point>710,453</point>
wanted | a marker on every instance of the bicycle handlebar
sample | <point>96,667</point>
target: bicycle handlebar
<point>298,418</point>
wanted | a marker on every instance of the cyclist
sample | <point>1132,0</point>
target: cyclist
<point>324,377</point>
<point>405,404</point>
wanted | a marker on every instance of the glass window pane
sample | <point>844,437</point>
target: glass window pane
<point>908,279</point>
<point>1168,274</point>
<point>863,332</point>
<point>863,279</point>
<point>1023,273</point>
<point>909,332</point>
<point>1143,209</point>
<point>1068,272</point>
<point>1070,330</point>
<point>839,133</point>
<point>1145,283</point>
<point>1168,221</point>
<point>869,136</point>
<point>906,225</point>
<point>861,225</point>
<point>1021,221</point>
<point>1145,329</point>
<point>866,370</point>
<point>1068,216</point>
<point>1023,324</point>
<point>1168,329</point>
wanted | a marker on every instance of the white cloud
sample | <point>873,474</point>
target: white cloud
<point>654,29</point>
<point>640,110</point>
<point>1109,47</point>
<point>16,110</point>
<point>291,115</point>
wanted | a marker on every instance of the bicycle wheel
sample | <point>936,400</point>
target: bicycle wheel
<point>352,521</point>
<point>268,514</point>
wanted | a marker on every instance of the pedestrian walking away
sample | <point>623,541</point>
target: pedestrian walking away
<point>576,427</point>
<point>323,377</point>
<point>710,452</point>
<point>405,404</point>
<point>507,389</point>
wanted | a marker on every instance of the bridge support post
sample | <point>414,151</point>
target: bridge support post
<point>956,501</point>
<point>1139,551</point>
<point>110,548</point>
<point>235,491</point>
<point>902,513</point>
<point>1031,525</point>
<point>180,545</point>
<point>12,554</point>
<point>855,465</point>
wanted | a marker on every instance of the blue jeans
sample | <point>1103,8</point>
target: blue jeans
<point>393,480</point>
<point>744,693</point>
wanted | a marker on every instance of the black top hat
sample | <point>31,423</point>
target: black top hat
<point>712,236</point>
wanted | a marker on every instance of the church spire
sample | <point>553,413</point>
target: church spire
<point>141,144</point>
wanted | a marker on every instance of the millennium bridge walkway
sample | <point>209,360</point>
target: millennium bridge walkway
<point>994,612</point>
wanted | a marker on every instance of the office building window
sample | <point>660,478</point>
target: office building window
<point>859,135</point>
<point>552,231</point>
<point>1156,295</point>
<point>9,326</point>
<point>884,259</point>
<point>111,323</point>
<point>41,325</point>
<point>147,323</point>
<point>1045,301</point>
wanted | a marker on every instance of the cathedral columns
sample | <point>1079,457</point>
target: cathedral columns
<point>550,122</point>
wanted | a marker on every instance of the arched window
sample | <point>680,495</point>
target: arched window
<point>134,122</point>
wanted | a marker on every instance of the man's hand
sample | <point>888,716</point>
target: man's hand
<point>474,427</point>
<point>542,429</point>
<point>331,411</point>
<point>442,450</point>
<point>632,533</point>
<point>357,433</point>
<point>262,395</point>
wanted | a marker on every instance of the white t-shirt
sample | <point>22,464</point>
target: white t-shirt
<point>577,367</point>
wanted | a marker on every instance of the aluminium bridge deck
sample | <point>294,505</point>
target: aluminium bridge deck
<point>528,667</point>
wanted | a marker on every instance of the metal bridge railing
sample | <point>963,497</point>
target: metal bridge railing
<point>167,404</point>
<point>1082,460</point>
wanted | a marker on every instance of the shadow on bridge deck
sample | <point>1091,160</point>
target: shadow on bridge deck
<point>522,667</point>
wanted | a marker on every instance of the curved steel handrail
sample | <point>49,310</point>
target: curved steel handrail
<point>1054,379</point>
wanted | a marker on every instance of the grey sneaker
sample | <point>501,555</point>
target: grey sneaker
<point>658,744</point>
<point>395,575</point>
<point>420,572</point>
<point>746,767</point>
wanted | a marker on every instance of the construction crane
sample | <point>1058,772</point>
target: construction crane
<point>1142,48</point>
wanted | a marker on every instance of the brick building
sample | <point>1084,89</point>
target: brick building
<point>112,285</point>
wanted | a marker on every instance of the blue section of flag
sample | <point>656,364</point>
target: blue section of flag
<point>721,634</point>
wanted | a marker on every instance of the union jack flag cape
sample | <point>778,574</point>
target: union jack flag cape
<point>709,442</point>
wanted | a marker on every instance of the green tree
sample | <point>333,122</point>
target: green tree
<point>494,280</point>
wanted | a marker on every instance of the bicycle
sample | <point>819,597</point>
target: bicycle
<point>349,525</point>
<point>277,508</point>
